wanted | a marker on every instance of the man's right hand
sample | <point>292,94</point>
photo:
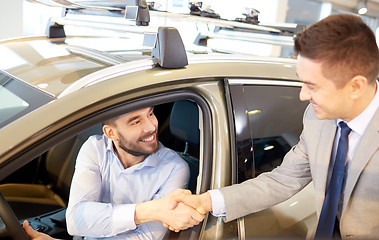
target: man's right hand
<point>179,217</point>
<point>202,203</point>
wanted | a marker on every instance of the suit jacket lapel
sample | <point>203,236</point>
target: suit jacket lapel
<point>324,152</point>
<point>367,147</point>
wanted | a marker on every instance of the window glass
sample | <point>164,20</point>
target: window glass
<point>271,118</point>
<point>18,98</point>
<point>10,104</point>
<point>275,117</point>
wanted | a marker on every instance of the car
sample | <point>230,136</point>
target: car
<point>230,116</point>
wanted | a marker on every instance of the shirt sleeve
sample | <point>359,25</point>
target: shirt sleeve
<point>86,215</point>
<point>178,177</point>
<point>218,203</point>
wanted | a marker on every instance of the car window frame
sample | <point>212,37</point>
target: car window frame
<point>238,111</point>
<point>237,106</point>
<point>71,129</point>
<point>55,136</point>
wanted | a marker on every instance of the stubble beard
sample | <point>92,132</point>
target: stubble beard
<point>134,149</point>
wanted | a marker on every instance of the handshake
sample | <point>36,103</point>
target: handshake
<point>178,210</point>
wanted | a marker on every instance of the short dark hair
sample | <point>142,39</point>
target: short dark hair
<point>110,122</point>
<point>344,45</point>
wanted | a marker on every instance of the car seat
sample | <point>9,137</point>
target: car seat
<point>29,200</point>
<point>184,125</point>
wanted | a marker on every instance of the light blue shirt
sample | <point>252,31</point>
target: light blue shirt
<point>358,126</point>
<point>104,194</point>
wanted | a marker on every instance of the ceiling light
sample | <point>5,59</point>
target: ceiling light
<point>362,7</point>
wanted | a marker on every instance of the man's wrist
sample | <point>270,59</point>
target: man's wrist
<point>145,212</point>
<point>206,201</point>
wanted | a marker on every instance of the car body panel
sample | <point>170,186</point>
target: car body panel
<point>145,79</point>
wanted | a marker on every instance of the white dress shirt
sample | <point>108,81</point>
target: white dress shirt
<point>104,194</point>
<point>358,126</point>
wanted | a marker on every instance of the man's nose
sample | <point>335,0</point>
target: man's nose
<point>149,126</point>
<point>304,94</point>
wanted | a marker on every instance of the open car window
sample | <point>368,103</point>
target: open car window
<point>41,187</point>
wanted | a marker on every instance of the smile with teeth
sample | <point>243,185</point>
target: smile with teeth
<point>151,138</point>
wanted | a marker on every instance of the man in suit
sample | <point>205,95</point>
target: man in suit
<point>338,63</point>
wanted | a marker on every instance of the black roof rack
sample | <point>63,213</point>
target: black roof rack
<point>137,10</point>
<point>55,30</point>
<point>169,50</point>
<point>196,8</point>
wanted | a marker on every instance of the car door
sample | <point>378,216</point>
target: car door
<point>267,122</point>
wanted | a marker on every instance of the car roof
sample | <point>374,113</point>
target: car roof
<point>210,69</point>
<point>129,83</point>
<point>52,65</point>
<point>59,66</point>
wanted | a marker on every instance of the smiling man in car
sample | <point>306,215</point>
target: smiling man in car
<point>120,181</point>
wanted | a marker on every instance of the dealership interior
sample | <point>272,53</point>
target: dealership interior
<point>27,18</point>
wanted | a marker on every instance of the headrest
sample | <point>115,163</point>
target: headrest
<point>184,121</point>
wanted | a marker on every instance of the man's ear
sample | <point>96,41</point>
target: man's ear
<point>109,132</point>
<point>358,86</point>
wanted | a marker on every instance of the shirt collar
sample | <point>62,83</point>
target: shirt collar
<point>151,160</point>
<point>360,123</point>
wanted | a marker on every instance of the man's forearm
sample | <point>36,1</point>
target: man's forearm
<point>95,219</point>
<point>145,212</point>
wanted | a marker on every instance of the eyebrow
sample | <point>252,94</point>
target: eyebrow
<point>138,116</point>
<point>305,82</point>
<point>309,83</point>
<point>132,119</point>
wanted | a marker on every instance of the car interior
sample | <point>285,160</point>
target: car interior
<point>39,191</point>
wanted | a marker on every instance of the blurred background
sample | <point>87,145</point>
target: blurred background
<point>25,18</point>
